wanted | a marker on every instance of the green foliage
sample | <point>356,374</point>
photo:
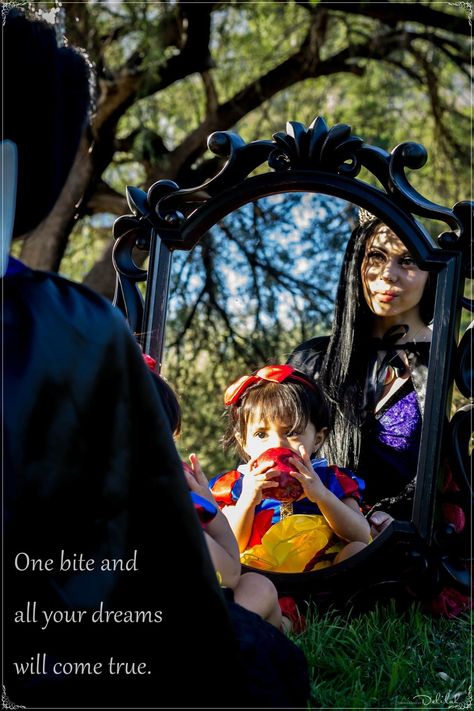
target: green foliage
<point>251,39</point>
<point>416,92</point>
<point>387,659</point>
<point>234,303</point>
<point>200,383</point>
<point>85,246</point>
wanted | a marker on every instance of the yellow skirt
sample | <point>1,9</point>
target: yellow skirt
<point>291,543</point>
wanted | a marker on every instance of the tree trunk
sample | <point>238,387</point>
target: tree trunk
<point>101,277</point>
<point>44,247</point>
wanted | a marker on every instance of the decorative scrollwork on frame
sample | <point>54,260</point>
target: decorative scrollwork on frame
<point>135,232</point>
<point>329,150</point>
<point>166,209</point>
<point>334,150</point>
<point>129,234</point>
<point>7,704</point>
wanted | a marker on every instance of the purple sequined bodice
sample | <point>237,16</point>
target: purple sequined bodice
<point>399,425</point>
<point>389,454</point>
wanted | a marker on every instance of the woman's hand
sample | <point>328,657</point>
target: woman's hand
<point>256,481</point>
<point>379,521</point>
<point>313,487</point>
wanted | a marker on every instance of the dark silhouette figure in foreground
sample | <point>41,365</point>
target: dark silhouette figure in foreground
<point>110,598</point>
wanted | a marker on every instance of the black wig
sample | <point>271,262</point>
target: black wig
<point>344,369</point>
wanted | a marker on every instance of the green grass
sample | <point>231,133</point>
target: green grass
<point>385,659</point>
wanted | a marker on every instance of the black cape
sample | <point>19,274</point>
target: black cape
<point>91,470</point>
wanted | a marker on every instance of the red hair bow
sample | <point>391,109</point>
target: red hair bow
<point>273,373</point>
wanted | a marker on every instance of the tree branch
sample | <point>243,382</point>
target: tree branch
<point>212,101</point>
<point>392,13</point>
<point>189,319</point>
<point>106,199</point>
<point>298,67</point>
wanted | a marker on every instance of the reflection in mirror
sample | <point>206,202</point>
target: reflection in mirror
<point>374,368</point>
<point>262,282</point>
<point>258,283</point>
<point>243,298</point>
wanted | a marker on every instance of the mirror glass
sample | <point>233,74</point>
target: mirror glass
<point>262,281</point>
<point>258,283</point>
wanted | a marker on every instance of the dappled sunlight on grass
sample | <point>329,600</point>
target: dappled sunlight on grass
<point>388,659</point>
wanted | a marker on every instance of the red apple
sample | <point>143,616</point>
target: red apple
<point>289,489</point>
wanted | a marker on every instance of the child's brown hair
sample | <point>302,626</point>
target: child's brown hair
<point>290,402</point>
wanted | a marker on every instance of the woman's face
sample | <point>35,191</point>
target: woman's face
<point>392,282</point>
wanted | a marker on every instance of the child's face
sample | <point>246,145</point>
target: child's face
<point>262,435</point>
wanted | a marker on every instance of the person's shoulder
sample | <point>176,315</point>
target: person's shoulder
<point>315,345</point>
<point>75,304</point>
<point>76,290</point>
<point>308,356</point>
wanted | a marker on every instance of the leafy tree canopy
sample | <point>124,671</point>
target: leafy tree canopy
<point>170,73</point>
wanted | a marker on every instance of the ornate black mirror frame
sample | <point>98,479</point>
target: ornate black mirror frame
<point>421,554</point>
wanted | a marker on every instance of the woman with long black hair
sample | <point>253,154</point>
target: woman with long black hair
<point>373,367</point>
